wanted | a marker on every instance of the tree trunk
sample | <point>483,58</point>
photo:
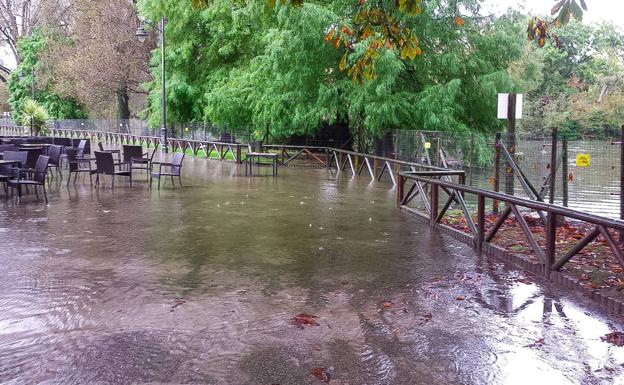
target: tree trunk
<point>123,109</point>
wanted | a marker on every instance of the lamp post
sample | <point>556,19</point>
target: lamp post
<point>141,34</point>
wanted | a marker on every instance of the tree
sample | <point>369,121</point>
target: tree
<point>98,60</point>
<point>18,18</point>
<point>582,83</point>
<point>20,83</point>
<point>270,69</point>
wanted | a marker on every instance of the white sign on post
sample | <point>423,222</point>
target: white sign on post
<point>503,106</point>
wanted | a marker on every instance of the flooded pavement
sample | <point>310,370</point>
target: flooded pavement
<point>200,286</point>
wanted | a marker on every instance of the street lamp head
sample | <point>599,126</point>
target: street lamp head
<point>140,32</point>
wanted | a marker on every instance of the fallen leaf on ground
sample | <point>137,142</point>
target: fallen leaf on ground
<point>177,302</point>
<point>301,320</point>
<point>615,338</point>
<point>460,298</point>
<point>387,304</point>
<point>322,374</point>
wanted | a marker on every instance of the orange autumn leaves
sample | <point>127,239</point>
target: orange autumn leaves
<point>377,27</point>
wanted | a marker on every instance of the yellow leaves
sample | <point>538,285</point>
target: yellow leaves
<point>367,31</point>
<point>411,7</point>
<point>343,63</point>
<point>373,28</point>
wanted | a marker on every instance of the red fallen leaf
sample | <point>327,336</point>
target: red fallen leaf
<point>615,338</point>
<point>321,374</point>
<point>302,319</point>
<point>387,304</point>
<point>536,344</point>
<point>460,298</point>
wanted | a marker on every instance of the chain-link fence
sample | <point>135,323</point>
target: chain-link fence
<point>593,187</point>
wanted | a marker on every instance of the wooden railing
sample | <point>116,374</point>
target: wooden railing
<point>356,163</point>
<point>600,226</point>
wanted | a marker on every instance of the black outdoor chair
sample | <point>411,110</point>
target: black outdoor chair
<point>38,177</point>
<point>81,148</point>
<point>54,152</point>
<point>33,156</point>
<point>8,172</point>
<point>175,169</point>
<point>112,151</point>
<point>22,156</point>
<point>142,163</point>
<point>77,166</point>
<point>105,165</point>
<point>130,152</point>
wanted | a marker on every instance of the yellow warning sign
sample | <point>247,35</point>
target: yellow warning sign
<point>583,160</point>
<point>427,145</point>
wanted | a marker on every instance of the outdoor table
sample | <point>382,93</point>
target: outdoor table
<point>28,146</point>
<point>9,162</point>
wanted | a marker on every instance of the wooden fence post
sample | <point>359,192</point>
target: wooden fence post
<point>434,203</point>
<point>497,158</point>
<point>400,190</point>
<point>551,237</point>
<point>480,222</point>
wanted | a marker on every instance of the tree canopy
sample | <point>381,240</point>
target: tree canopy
<point>274,68</point>
<point>25,76</point>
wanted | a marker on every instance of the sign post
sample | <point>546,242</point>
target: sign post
<point>510,108</point>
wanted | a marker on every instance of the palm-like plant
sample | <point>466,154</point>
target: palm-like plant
<point>34,115</point>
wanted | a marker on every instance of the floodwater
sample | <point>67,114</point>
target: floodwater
<point>199,286</point>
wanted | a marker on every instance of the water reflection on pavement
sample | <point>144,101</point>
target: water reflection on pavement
<point>200,286</point>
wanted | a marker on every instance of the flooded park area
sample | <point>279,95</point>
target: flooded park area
<point>306,278</point>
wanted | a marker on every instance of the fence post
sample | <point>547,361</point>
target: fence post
<point>400,190</point>
<point>239,159</point>
<point>434,203</point>
<point>564,169</point>
<point>553,166</point>
<point>511,144</point>
<point>622,181</point>
<point>497,158</point>
<point>326,157</point>
<point>480,222</point>
<point>551,237</point>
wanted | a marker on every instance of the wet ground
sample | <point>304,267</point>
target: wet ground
<point>200,286</point>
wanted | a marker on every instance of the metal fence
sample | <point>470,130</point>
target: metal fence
<point>592,188</point>
<point>189,130</point>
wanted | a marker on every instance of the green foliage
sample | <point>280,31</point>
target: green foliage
<point>580,88</point>
<point>34,115</point>
<point>21,81</point>
<point>270,70</point>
